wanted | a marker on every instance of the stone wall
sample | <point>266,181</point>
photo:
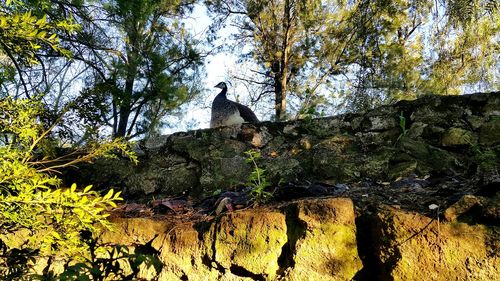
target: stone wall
<point>420,198</point>
<point>440,136</point>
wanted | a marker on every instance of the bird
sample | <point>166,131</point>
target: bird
<point>227,112</point>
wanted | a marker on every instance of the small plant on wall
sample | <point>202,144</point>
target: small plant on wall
<point>257,180</point>
<point>402,126</point>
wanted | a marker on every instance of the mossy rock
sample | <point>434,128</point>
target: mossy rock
<point>322,128</point>
<point>249,240</point>
<point>222,174</point>
<point>428,157</point>
<point>284,168</point>
<point>492,107</point>
<point>430,114</point>
<point>458,137</point>
<point>103,173</point>
<point>416,129</point>
<point>166,180</point>
<point>380,123</point>
<point>489,134</point>
<point>338,158</point>
<point>402,169</point>
<point>374,140</point>
<point>328,249</point>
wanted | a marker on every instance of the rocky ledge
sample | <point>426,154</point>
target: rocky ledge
<point>402,192</point>
<point>322,239</point>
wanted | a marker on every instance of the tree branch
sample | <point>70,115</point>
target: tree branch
<point>17,66</point>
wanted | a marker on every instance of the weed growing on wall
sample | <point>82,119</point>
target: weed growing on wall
<point>257,180</point>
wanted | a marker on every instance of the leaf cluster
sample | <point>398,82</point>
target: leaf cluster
<point>23,35</point>
<point>402,126</point>
<point>107,262</point>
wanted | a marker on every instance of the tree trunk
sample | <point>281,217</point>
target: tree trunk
<point>280,105</point>
<point>280,88</point>
<point>281,77</point>
<point>123,121</point>
<point>125,105</point>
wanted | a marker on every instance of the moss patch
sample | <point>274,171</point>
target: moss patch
<point>489,134</point>
<point>458,137</point>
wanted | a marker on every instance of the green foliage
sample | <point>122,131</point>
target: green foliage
<point>311,105</point>
<point>367,52</point>
<point>487,159</point>
<point>101,262</point>
<point>151,70</point>
<point>283,36</point>
<point>107,262</point>
<point>136,60</point>
<point>23,35</point>
<point>257,180</point>
<point>464,12</point>
<point>39,217</point>
<point>32,201</point>
<point>14,262</point>
<point>411,48</point>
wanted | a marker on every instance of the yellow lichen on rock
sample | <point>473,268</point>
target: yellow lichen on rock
<point>413,246</point>
<point>328,248</point>
<point>250,241</point>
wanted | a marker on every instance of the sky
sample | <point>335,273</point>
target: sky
<point>217,68</point>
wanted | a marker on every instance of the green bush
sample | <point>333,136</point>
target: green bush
<point>40,219</point>
<point>33,201</point>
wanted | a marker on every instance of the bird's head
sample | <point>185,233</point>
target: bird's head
<point>221,85</point>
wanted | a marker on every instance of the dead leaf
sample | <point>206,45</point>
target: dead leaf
<point>223,203</point>
<point>176,205</point>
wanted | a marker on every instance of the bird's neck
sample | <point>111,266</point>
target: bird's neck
<point>223,92</point>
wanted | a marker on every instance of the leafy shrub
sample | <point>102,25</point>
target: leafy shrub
<point>38,216</point>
